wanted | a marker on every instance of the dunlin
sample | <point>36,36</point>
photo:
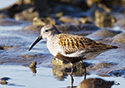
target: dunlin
<point>68,47</point>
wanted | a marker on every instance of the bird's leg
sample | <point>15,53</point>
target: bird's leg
<point>84,66</point>
<point>71,74</point>
<point>84,72</point>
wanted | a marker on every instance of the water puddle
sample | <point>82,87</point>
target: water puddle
<point>23,77</point>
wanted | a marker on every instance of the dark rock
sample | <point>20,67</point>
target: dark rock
<point>104,19</point>
<point>118,72</point>
<point>5,78</point>
<point>95,83</point>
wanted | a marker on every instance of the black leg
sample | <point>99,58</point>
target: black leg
<point>71,74</point>
<point>84,72</point>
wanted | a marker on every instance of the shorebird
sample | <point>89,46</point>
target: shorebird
<point>70,48</point>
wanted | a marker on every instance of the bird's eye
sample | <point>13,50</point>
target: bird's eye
<point>46,30</point>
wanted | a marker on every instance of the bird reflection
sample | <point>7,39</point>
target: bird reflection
<point>65,69</point>
<point>33,70</point>
<point>33,67</point>
<point>96,83</point>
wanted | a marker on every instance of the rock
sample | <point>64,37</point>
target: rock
<point>43,21</point>
<point>119,39</point>
<point>86,20</point>
<point>104,19</point>
<point>68,19</point>
<point>38,21</point>
<point>33,64</point>
<point>3,82</point>
<point>50,20</point>
<point>117,72</point>
<point>102,34</point>
<point>5,78</point>
<point>89,3</point>
<point>95,83</point>
<point>60,14</point>
<point>26,15</point>
<point>7,47</point>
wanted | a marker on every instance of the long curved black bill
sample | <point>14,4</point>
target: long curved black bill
<point>37,40</point>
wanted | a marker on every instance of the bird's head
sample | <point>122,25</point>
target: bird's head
<point>47,31</point>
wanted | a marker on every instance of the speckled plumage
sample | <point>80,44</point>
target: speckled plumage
<point>71,48</point>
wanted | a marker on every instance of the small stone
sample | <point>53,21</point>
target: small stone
<point>33,64</point>
<point>95,83</point>
<point>60,14</point>
<point>5,78</point>
<point>3,82</point>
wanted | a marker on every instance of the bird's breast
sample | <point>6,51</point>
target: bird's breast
<point>53,47</point>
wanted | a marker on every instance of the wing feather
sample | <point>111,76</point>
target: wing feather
<point>75,43</point>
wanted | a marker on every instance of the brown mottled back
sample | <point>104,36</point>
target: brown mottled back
<point>72,43</point>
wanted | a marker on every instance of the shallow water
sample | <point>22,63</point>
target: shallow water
<point>22,77</point>
<point>17,42</point>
